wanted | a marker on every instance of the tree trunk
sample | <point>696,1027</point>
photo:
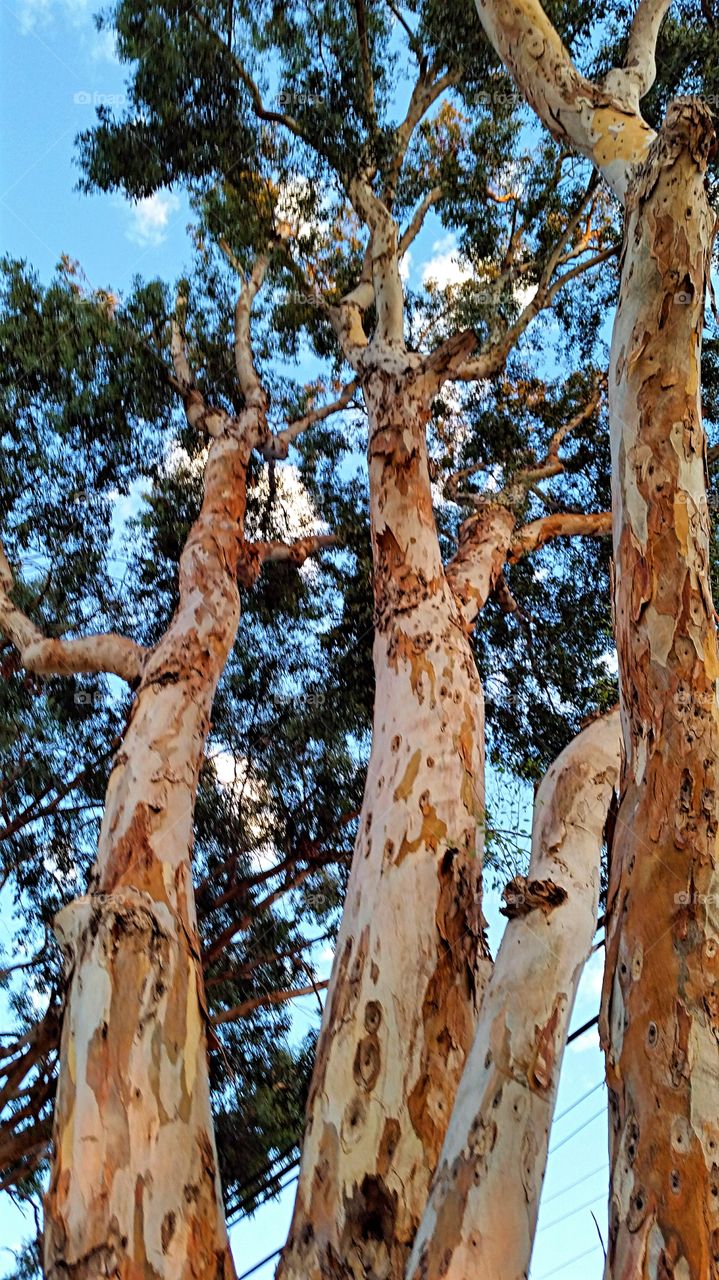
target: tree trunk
<point>135,1189</point>
<point>660,1019</point>
<point>411,959</point>
<point>482,1213</point>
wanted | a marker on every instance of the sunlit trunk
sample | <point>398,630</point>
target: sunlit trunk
<point>482,1213</point>
<point>660,1021</point>
<point>411,960</point>
<point>135,1189</point>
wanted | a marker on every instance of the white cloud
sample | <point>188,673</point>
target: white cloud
<point>150,218</point>
<point>405,267</point>
<point>525,295</point>
<point>78,14</point>
<point>445,268</point>
<point>37,13</point>
<point>294,514</point>
<point>104,46</point>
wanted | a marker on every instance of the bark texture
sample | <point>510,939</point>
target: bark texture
<point>482,1212</point>
<point>135,1190</point>
<point>411,960</point>
<point>660,1022</point>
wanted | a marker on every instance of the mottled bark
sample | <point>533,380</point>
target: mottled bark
<point>660,1020</point>
<point>411,960</point>
<point>601,122</point>
<point>482,1213</point>
<point>134,1188</point>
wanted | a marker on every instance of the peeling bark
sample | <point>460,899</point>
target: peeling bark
<point>411,960</point>
<point>659,1022</point>
<point>660,1016</point>
<point>135,1189</point>
<point>481,1216</point>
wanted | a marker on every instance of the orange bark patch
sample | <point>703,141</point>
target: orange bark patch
<point>433,831</point>
<point>541,1071</point>
<point>404,788</point>
<point>412,650</point>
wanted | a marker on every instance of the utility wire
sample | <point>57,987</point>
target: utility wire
<point>574,1132</point>
<point>577,1258</point>
<point>580,1030</point>
<point>241,1204</point>
<point>557,1221</point>
<point>583,1098</point>
<point>269,1258</point>
<point>585,1178</point>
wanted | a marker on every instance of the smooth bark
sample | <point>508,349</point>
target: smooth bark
<point>411,960</point>
<point>135,1189</point>
<point>660,1019</point>
<point>482,1212</point>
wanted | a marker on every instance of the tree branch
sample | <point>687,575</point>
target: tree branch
<point>415,226</point>
<point>262,113</point>
<point>425,93</point>
<point>293,552</point>
<point>278,446</point>
<point>632,81</point>
<point>384,257</point>
<point>250,385</point>
<point>111,654</point>
<point>271,997</point>
<point>201,417</point>
<point>367,80</point>
<point>552,464</point>
<point>566,524</point>
<point>593,120</point>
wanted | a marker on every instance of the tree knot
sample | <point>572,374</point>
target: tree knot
<point>522,896</point>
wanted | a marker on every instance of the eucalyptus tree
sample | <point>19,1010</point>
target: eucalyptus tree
<point>658,1018</point>
<point>89,412</point>
<point>286,126</point>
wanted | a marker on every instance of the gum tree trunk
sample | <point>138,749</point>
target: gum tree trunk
<point>660,1022</point>
<point>411,960</point>
<point>135,1190</point>
<point>482,1213</point>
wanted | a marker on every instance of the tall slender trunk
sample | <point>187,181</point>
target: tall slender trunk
<point>482,1213</point>
<point>660,1018</point>
<point>135,1189</point>
<point>411,960</point>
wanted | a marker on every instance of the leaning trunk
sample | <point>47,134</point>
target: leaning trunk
<point>135,1189</point>
<point>660,1016</point>
<point>482,1213</point>
<point>411,960</point>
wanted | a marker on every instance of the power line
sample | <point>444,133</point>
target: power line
<point>580,1030</point>
<point>257,1265</point>
<point>574,1132</point>
<point>577,1258</point>
<point>241,1205</point>
<point>585,1178</point>
<point>556,1221</point>
<point>583,1098</point>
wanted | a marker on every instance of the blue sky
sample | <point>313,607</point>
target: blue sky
<point>55,67</point>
